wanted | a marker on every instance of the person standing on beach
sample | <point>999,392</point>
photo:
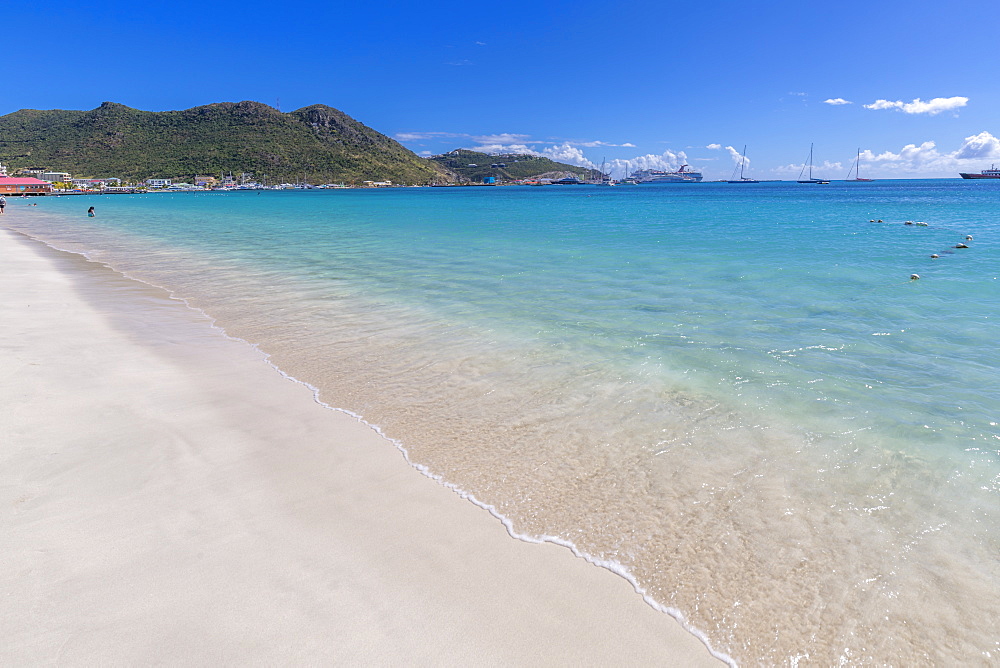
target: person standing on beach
<point>90,212</point>
<point>3,203</point>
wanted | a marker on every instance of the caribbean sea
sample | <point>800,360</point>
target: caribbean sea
<point>734,395</point>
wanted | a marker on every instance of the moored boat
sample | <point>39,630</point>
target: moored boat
<point>683,175</point>
<point>855,168</point>
<point>742,179</point>
<point>810,179</point>
<point>991,173</point>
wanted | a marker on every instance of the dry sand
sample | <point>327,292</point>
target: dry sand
<point>167,497</point>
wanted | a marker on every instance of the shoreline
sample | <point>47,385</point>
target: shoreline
<point>171,495</point>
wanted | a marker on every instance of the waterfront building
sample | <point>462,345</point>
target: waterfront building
<point>55,177</point>
<point>95,183</point>
<point>24,185</point>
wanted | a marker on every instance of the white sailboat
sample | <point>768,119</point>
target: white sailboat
<point>856,169</point>
<point>605,179</point>
<point>810,179</point>
<point>742,179</point>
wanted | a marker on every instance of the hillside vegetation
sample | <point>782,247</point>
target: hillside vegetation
<point>316,143</point>
<point>515,167</point>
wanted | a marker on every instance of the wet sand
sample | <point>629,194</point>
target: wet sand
<point>170,497</point>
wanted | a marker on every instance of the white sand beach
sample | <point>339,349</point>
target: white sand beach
<point>168,497</point>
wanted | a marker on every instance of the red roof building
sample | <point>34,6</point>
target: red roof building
<point>17,185</point>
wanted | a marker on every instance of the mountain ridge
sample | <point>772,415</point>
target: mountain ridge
<point>317,142</point>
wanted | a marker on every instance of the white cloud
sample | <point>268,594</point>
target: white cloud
<point>503,148</point>
<point>837,101</point>
<point>418,136</point>
<point>927,158</point>
<point>915,160</point>
<point>918,106</point>
<point>597,143</point>
<point>736,156</point>
<point>567,153</point>
<point>502,138</point>
<point>825,170</point>
<point>912,159</point>
<point>511,142</point>
<point>977,147</point>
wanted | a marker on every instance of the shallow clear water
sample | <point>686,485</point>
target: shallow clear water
<point>733,394</point>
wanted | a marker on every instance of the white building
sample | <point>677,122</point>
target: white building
<point>95,183</point>
<point>159,183</point>
<point>55,177</point>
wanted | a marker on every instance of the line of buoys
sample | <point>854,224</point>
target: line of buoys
<point>918,223</point>
<point>934,256</point>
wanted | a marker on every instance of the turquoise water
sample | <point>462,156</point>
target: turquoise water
<point>734,395</point>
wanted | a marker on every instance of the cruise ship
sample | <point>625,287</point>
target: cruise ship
<point>683,175</point>
<point>991,173</point>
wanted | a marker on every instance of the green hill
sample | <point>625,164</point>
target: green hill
<point>474,166</point>
<point>317,142</point>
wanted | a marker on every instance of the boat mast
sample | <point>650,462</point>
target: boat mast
<point>743,159</point>
<point>810,162</point>
<point>856,168</point>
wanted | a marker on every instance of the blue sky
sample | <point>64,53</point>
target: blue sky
<point>639,84</point>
